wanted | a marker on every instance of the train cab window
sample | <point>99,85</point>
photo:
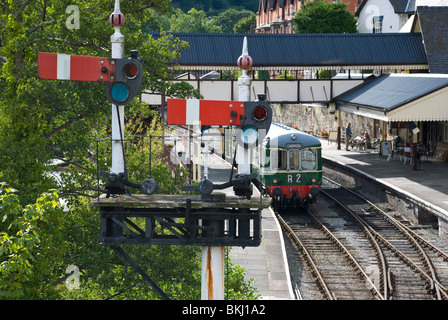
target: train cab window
<point>309,159</point>
<point>278,159</point>
<point>294,160</point>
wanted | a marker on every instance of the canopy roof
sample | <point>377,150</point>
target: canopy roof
<point>399,97</point>
<point>388,51</point>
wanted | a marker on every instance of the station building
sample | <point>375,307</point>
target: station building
<point>412,106</point>
<point>276,16</point>
<point>387,84</point>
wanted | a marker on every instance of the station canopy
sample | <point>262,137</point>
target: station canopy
<point>399,97</point>
<point>388,51</point>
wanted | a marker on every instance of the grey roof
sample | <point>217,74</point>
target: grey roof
<point>434,26</point>
<point>400,6</point>
<point>403,6</point>
<point>305,50</point>
<point>390,91</point>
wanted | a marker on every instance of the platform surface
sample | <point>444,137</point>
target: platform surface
<point>428,185</point>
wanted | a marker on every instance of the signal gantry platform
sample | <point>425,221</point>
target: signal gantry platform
<point>160,219</point>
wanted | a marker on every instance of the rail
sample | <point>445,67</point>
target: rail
<point>349,255</point>
<point>415,240</point>
<point>345,251</point>
<point>309,258</point>
<point>385,272</point>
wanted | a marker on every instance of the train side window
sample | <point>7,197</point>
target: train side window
<point>278,159</point>
<point>309,159</point>
<point>294,160</point>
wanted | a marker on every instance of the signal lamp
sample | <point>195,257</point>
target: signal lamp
<point>260,113</point>
<point>249,135</point>
<point>130,70</point>
<point>128,79</point>
<point>257,121</point>
<point>119,92</point>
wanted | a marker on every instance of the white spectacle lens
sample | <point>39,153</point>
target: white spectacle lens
<point>249,135</point>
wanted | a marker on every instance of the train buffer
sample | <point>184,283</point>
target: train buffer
<point>160,219</point>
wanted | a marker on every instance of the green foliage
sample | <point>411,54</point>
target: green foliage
<point>282,76</point>
<point>227,19</point>
<point>44,119</point>
<point>156,22</point>
<point>192,21</point>
<point>263,74</point>
<point>324,17</point>
<point>48,153</point>
<point>198,21</point>
<point>216,6</point>
<point>245,24</point>
<point>29,237</point>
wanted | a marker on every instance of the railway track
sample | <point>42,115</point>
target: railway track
<point>336,271</point>
<point>355,250</point>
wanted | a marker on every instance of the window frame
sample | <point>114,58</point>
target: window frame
<point>302,157</point>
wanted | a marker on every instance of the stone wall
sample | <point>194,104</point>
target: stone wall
<point>316,119</point>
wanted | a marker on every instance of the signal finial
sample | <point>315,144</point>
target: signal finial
<point>117,18</point>
<point>245,61</point>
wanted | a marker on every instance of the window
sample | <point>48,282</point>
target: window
<point>294,160</point>
<point>278,159</point>
<point>309,159</point>
<point>378,24</point>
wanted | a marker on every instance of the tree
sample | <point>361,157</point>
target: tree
<point>227,19</point>
<point>156,23</point>
<point>320,16</point>
<point>65,117</point>
<point>245,24</point>
<point>29,236</point>
<point>197,21</point>
<point>216,6</point>
<point>46,223</point>
<point>43,120</point>
<point>192,21</point>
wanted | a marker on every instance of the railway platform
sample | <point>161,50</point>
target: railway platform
<point>427,186</point>
<point>266,264</point>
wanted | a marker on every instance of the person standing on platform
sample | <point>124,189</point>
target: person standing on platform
<point>348,135</point>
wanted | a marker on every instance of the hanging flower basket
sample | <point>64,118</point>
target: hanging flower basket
<point>324,134</point>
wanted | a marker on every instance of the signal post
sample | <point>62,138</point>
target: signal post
<point>245,62</point>
<point>212,219</point>
<point>117,40</point>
